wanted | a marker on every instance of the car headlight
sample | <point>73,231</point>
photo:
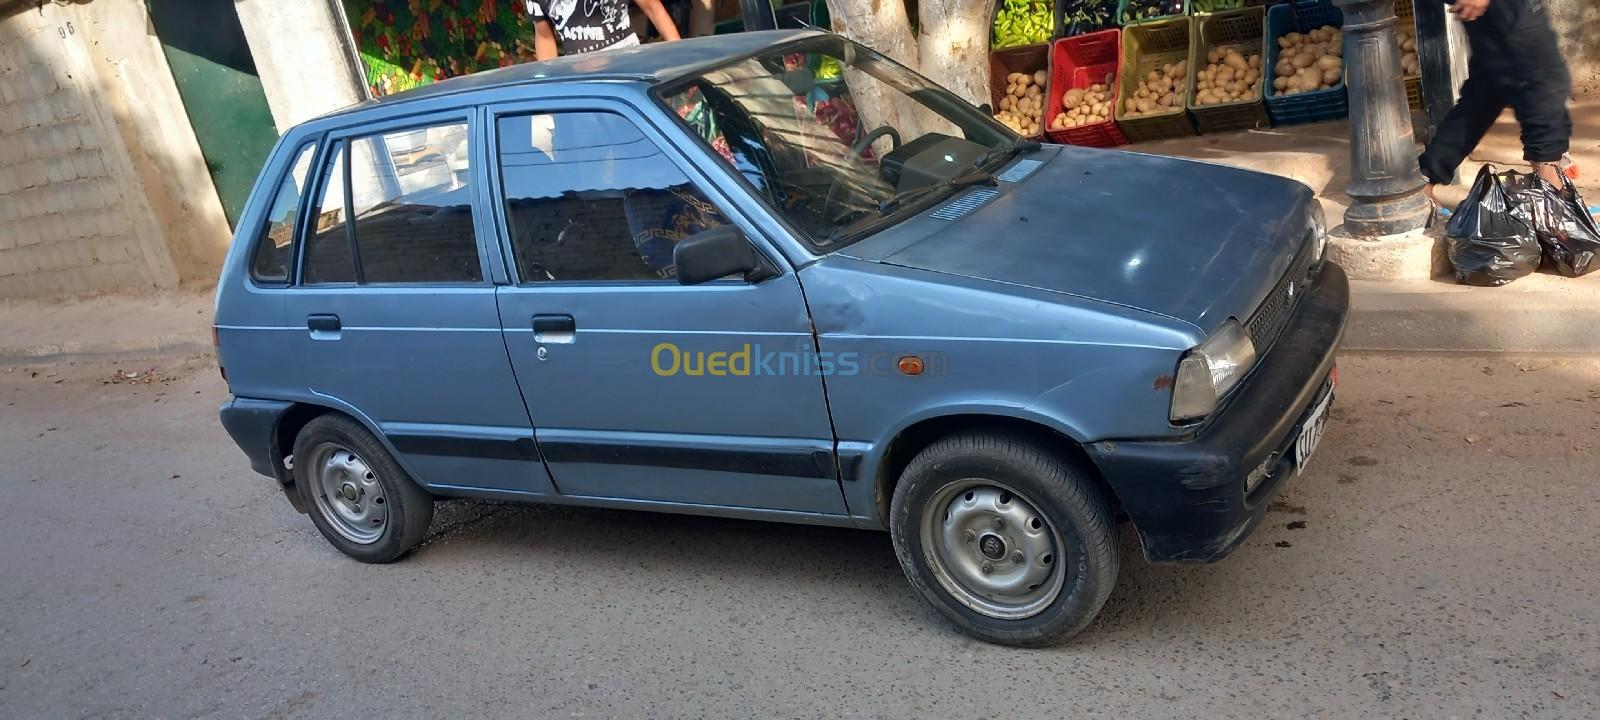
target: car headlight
<point>1318,223</point>
<point>1210,370</point>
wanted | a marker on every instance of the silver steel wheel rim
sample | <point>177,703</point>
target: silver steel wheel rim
<point>992,550</point>
<point>348,494</point>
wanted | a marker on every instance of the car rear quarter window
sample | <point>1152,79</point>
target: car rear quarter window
<point>588,197</point>
<point>409,196</point>
<point>328,255</point>
<point>270,262</point>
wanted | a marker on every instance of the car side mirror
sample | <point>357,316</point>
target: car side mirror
<point>717,253</point>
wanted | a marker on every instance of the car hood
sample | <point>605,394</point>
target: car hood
<point>1190,240</point>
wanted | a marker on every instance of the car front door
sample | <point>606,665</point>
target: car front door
<point>395,318</point>
<point>641,388</point>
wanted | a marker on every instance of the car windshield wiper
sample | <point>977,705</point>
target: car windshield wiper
<point>976,177</point>
<point>1020,145</point>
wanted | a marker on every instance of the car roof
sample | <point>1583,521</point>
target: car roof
<point>651,64</point>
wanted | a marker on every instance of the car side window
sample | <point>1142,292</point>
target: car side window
<point>270,262</point>
<point>411,209</point>
<point>327,253</point>
<point>589,198</point>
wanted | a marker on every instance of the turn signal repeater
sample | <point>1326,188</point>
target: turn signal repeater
<point>911,365</point>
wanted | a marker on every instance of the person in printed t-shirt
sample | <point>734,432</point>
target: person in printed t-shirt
<point>658,217</point>
<point>572,27</point>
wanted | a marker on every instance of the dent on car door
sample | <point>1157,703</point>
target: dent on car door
<point>396,320</point>
<point>640,387</point>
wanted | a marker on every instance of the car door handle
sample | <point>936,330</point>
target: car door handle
<point>557,329</point>
<point>323,327</point>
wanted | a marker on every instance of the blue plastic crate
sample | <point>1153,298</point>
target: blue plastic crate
<point>1330,104</point>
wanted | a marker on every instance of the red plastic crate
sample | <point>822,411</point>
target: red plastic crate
<point>1024,59</point>
<point>1076,63</point>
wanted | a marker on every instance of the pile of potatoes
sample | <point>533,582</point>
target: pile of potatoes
<point>1161,91</point>
<point>1410,66</point>
<point>1308,62</point>
<point>1081,107</point>
<point>1231,76</point>
<point>1022,107</point>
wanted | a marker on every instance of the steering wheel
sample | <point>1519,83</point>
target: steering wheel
<point>865,141</point>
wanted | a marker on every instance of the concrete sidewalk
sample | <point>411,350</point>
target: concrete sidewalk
<point>105,327</point>
<point>1319,155</point>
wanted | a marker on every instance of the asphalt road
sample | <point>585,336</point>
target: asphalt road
<point>1446,567</point>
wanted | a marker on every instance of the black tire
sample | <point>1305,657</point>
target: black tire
<point>409,507</point>
<point>1054,487</point>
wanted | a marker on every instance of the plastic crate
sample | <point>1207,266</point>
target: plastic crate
<point>994,14</point>
<point>1247,30</point>
<point>1025,59</point>
<point>1145,47</point>
<point>1404,15</point>
<point>1330,104</point>
<point>1078,62</point>
<point>1122,14</point>
<point>1066,29</point>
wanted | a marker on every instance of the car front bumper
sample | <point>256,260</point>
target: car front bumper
<point>1188,497</point>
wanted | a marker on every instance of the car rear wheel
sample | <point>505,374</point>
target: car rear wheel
<point>360,499</point>
<point>1011,542</point>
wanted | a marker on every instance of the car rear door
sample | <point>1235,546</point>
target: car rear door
<point>641,388</point>
<point>393,313</point>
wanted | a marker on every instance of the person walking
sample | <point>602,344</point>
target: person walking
<point>1516,62</point>
<point>572,27</point>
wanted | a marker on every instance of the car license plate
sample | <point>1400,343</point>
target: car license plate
<point>1311,433</point>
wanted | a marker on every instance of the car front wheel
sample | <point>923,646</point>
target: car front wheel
<point>1011,542</point>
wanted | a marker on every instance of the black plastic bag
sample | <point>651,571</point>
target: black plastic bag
<point>1564,227</point>
<point>1492,241</point>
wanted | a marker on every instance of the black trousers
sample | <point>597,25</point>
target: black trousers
<point>1516,62</point>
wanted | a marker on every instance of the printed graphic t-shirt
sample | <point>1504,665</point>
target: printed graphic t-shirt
<point>586,25</point>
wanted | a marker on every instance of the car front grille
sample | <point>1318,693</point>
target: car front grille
<point>1274,312</point>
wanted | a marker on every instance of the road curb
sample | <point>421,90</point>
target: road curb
<point>108,350</point>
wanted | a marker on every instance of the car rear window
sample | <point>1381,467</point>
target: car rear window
<point>270,264</point>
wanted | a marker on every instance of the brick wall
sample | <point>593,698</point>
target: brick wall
<point>63,216</point>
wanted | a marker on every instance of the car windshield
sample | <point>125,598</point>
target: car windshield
<point>840,140</point>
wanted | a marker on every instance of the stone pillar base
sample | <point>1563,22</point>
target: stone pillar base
<point>1414,255</point>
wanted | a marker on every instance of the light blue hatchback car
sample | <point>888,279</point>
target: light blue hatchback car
<point>693,278</point>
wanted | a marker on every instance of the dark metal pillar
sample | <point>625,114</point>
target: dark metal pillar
<point>758,15</point>
<point>1385,184</point>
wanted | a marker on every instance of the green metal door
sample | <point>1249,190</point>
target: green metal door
<point>221,92</point>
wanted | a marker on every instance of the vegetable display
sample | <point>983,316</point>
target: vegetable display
<point>1080,17</point>
<point>1081,107</point>
<point>1161,91</point>
<point>1022,107</point>
<point>1308,62</point>
<point>1022,22</point>
<point>829,69</point>
<point>1148,9</point>
<point>1410,66</point>
<point>1205,6</point>
<point>1231,76</point>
